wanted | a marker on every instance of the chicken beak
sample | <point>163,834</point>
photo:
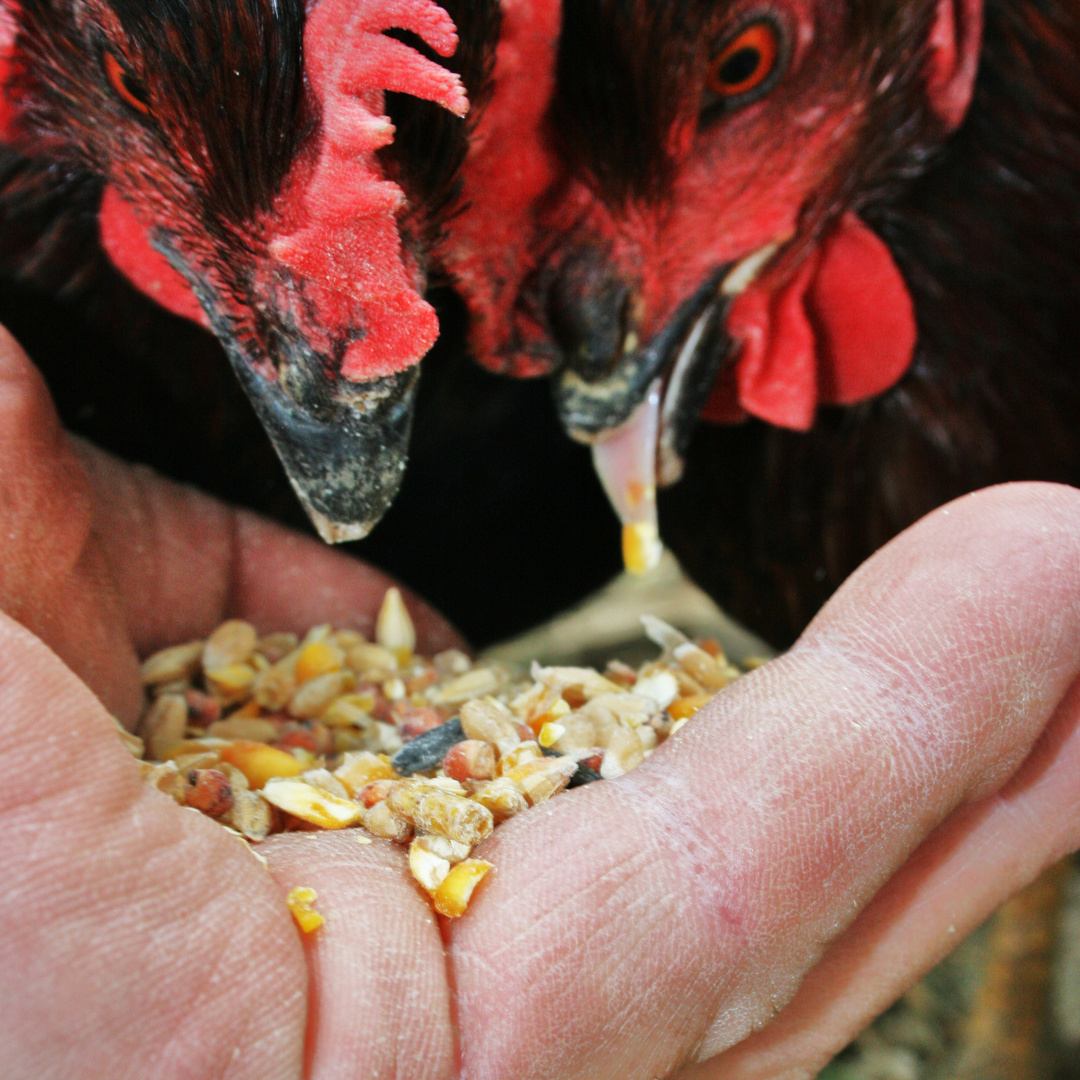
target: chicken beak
<point>639,416</point>
<point>344,445</point>
<point>591,408</point>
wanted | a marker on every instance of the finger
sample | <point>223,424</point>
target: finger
<point>965,870</point>
<point>660,919</point>
<point>380,1003</point>
<point>52,578</point>
<point>182,562</point>
<point>140,940</point>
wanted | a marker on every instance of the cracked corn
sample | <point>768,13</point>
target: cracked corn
<point>330,731</point>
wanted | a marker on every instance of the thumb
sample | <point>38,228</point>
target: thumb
<point>146,941</point>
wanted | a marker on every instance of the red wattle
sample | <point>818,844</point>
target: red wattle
<point>840,331</point>
<point>776,373</point>
<point>125,241</point>
<point>863,316</point>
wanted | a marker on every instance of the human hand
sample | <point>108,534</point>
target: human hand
<point>630,928</point>
<point>139,940</point>
<point>824,831</point>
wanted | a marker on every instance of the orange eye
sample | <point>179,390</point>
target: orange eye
<point>126,87</point>
<point>746,62</point>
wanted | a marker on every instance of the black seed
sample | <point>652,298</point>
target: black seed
<point>426,751</point>
<point>584,775</point>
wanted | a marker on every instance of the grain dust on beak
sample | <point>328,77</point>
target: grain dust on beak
<point>344,445</point>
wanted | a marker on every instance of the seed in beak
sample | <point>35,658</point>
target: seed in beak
<point>625,461</point>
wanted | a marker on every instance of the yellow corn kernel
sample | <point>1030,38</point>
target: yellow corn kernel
<point>394,628</point>
<point>685,707</point>
<point>557,711</point>
<point>522,753</point>
<point>318,658</point>
<point>641,547</point>
<point>360,769</point>
<point>312,804</point>
<point>427,867</point>
<point>550,734</point>
<point>231,682</point>
<point>300,900</point>
<point>250,710</point>
<point>260,763</point>
<point>453,895</point>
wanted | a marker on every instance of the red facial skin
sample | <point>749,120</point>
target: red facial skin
<point>496,241</point>
<point>741,183</point>
<point>325,265</point>
<point>762,173</point>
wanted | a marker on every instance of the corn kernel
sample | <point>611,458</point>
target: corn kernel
<point>453,895</point>
<point>260,763</point>
<point>526,751</point>
<point>231,682</point>
<point>300,900</point>
<point>699,665</point>
<point>557,711</point>
<point>641,547</point>
<point>685,707</point>
<point>427,867</point>
<point>312,804</point>
<point>317,658</point>
<point>351,710</point>
<point>358,770</point>
<point>550,734</point>
<point>394,628</point>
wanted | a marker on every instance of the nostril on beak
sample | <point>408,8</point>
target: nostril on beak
<point>591,315</point>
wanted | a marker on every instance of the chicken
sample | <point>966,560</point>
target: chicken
<point>235,163</point>
<point>853,228</point>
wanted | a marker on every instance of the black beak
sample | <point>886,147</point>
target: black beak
<point>687,354</point>
<point>344,445</point>
<point>692,347</point>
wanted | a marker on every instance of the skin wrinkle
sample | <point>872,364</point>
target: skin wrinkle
<point>924,895</point>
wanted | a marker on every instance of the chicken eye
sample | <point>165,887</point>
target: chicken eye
<point>126,87</point>
<point>746,63</point>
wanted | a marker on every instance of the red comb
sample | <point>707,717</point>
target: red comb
<point>338,215</point>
